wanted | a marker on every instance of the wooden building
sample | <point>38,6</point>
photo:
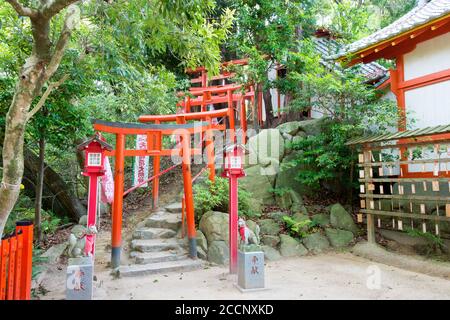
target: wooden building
<point>419,43</point>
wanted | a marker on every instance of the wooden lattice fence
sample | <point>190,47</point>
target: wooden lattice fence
<point>404,181</point>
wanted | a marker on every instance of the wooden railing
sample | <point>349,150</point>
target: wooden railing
<point>16,253</point>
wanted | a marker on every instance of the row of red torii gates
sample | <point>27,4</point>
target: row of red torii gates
<point>193,117</point>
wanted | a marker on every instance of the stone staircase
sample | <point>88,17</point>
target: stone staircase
<point>157,246</point>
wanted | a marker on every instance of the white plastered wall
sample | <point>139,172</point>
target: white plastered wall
<point>428,106</point>
<point>428,57</point>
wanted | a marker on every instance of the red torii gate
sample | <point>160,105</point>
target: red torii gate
<point>155,133</point>
<point>203,80</point>
<point>206,96</point>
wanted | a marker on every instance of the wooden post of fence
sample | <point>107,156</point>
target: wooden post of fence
<point>18,279</point>
<point>4,253</point>
<point>367,178</point>
<point>26,229</point>
<point>11,268</point>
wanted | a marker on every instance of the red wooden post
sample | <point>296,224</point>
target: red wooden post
<point>259,105</point>
<point>233,170</point>
<point>210,151</point>
<point>26,228</point>
<point>183,215</point>
<point>204,78</point>
<point>18,279</point>
<point>188,196</point>
<point>3,266</point>
<point>118,201</point>
<point>188,105</point>
<point>243,121</point>
<point>94,167</point>
<point>233,222</point>
<point>231,116</point>
<point>156,170</point>
<point>11,268</point>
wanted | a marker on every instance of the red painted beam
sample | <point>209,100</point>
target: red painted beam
<point>187,116</point>
<point>427,80</point>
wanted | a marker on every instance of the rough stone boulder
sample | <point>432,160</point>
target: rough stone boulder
<point>270,253</point>
<point>300,216</point>
<point>341,219</point>
<point>218,252</point>
<point>277,216</point>
<point>339,238</point>
<point>252,225</point>
<point>201,241</point>
<point>316,242</point>
<point>298,139</point>
<point>311,127</point>
<point>214,226</point>
<point>290,247</point>
<point>286,177</point>
<point>267,144</point>
<point>321,219</point>
<point>258,184</point>
<point>284,200</point>
<point>270,240</point>
<point>269,227</point>
<point>201,253</point>
<point>290,128</point>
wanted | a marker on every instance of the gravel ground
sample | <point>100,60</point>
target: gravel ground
<point>327,276</point>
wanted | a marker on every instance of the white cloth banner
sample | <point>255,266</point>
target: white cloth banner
<point>107,182</point>
<point>141,163</point>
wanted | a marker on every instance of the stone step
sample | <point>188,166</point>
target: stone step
<point>167,221</point>
<point>174,207</point>
<point>153,245</point>
<point>155,257</point>
<point>154,268</point>
<point>153,233</point>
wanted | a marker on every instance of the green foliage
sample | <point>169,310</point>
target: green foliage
<point>24,209</point>
<point>215,195</point>
<point>352,109</point>
<point>435,241</point>
<point>266,31</point>
<point>127,58</point>
<point>38,261</point>
<point>280,191</point>
<point>352,20</point>
<point>299,228</point>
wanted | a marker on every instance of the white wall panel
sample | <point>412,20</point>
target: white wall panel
<point>428,57</point>
<point>429,105</point>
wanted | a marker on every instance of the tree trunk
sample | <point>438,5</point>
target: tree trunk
<point>15,122</point>
<point>38,68</point>
<point>267,96</point>
<point>39,187</point>
<point>58,196</point>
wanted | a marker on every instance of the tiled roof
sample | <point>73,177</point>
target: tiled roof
<point>400,135</point>
<point>371,71</point>
<point>420,15</point>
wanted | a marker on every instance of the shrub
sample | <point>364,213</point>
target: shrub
<point>300,228</point>
<point>214,196</point>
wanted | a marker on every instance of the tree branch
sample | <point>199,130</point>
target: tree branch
<point>52,8</point>
<point>44,97</point>
<point>70,23</point>
<point>21,10</point>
